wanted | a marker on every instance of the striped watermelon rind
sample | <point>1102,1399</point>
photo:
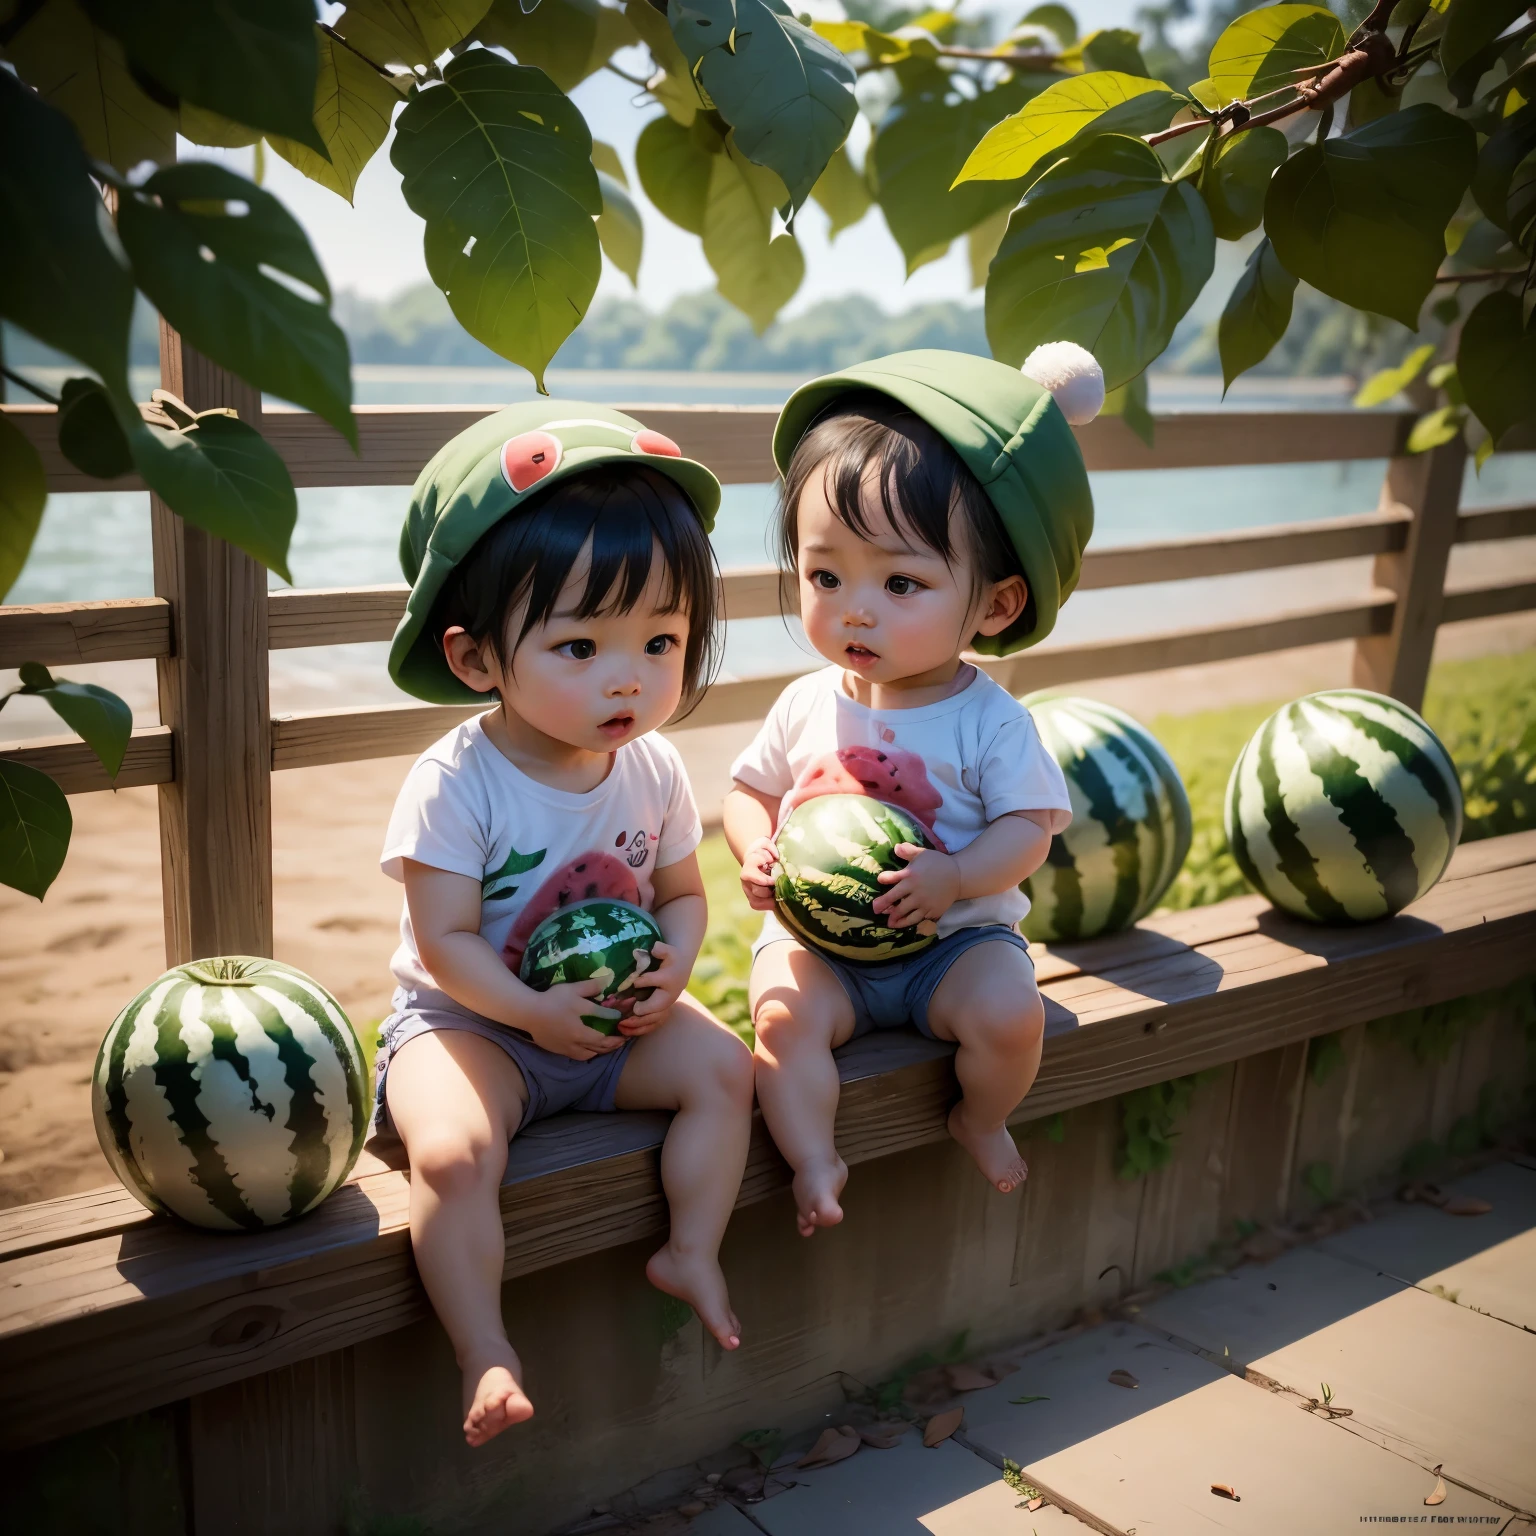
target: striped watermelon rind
<point>1131,824</point>
<point>831,849</point>
<point>593,938</point>
<point>1344,807</point>
<point>232,1093</point>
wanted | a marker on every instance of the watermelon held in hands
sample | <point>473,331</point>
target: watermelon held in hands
<point>232,1093</point>
<point>590,875</point>
<point>603,940</point>
<point>1131,826</point>
<point>1344,807</point>
<point>831,851</point>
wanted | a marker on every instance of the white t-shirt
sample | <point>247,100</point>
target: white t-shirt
<point>956,766</point>
<point>465,808</point>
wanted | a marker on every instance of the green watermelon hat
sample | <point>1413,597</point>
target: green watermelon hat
<point>487,472</point>
<point>1012,428</point>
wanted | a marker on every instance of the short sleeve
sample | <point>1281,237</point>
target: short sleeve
<point>763,764</point>
<point>440,819</point>
<point>1018,774</point>
<point>681,830</point>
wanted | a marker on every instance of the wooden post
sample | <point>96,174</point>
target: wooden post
<point>216,815</point>
<point>1428,487</point>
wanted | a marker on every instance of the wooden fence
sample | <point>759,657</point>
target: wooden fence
<point>212,623</point>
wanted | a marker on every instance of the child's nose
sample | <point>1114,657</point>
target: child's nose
<point>623,684</point>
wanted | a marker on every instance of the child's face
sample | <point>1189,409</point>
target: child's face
<point>889,608</point>
<point>590,683</point>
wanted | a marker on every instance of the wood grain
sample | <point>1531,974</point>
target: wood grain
<point>63,634</point>
<point>1516,521</point>
<point>1487,601</point>
<point>161,1312</point>
<point>78,771</point>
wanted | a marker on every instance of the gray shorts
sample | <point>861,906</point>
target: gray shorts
<point>899,991</point>
<point>554,1082</point>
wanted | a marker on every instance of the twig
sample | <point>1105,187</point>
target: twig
<point>1477,277</point>
<point>353,49</point>
<point>634,80</point>
<point>31,389</point>
<point>1033,59</point>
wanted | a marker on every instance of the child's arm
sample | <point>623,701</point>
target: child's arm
<point>445,919</point>
<point>1010,850</point>
<point>682,914</point>
<point>750,817</point>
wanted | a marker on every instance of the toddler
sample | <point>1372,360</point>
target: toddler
<point>561,573</point>
<point>931,502</point>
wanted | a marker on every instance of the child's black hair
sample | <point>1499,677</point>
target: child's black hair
<point>628,513</point>
<point>925,489</point>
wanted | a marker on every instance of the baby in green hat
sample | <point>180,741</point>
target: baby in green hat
<point>932,502</point>
<point>561,575</point>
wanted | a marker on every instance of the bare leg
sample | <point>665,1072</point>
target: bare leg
<point>988,1004</point>
<point>456,1099</point>
<point>693,1065</point>
<point>801,1012</point>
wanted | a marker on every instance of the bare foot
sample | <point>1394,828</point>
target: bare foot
<point>493,1396</point>
<point>993,1149</point>
<point>698,1281</point>
<point>817,1186</point>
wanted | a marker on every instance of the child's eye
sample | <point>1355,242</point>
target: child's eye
<point>902,586</point>
<point>659,645</point>
<point>825,580</point>
<point>577,650</point>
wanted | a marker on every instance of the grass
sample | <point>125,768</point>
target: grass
<point>1483,710</point>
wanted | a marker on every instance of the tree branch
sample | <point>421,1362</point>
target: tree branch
<point>1034,59</point>
<point>31,389</point>
<point>1498,275</point>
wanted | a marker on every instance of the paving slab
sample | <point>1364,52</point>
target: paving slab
<point>1434,1382</point>
<point>722,1520</point>
<point>1487,1263</point>
<point>907,1491</point>
<point>1144,1458</point>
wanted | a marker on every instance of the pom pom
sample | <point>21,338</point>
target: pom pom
<point>1073,376</point>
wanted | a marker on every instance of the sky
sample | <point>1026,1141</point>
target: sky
<point>374,247</point>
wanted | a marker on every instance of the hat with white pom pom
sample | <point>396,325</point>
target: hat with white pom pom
<point>1012,428</point>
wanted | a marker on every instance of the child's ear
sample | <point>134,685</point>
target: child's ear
<point>1003,605</point>
<point>468,659</point>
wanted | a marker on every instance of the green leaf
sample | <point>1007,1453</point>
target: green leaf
<point>619,227</point>
<point>1370,100</point>
<point>1437,428</point>
<point>354,104</point>
<point>1257,314</point>
<point>498,161</point>
<point>90,435</point>
<point>96,715</point>
<point>1496,363</point>
<point>1129,402</point>
<point>80,70</point>
<point>787,93</point>
<point>252,60</point>
<point>1114,48</point>
<point>567,39</point>
<point>1271,47</point>
<point>1107,101</point>
<point>755,270</point>
<point>35,824</point>
<point>1057,18</point>
<point>1391,382</point>
<point>1362,218</point>
<point>918,150</point>
<point>842,193</point>
<point>674,164</point>
<point>1104,251</point>
<point>605,158</point>
<point>197,125</point>
<point>23,494</point>
<point>1497,163</point>
<point>209,269</point>
<point>881,47</point>
<point>223,475</point>
<point>63,276</point>
<point>982,243</point>
<point>414,33</point>
<point>1471,25</point>
<point>1236,181</point>
<point>650,26</point>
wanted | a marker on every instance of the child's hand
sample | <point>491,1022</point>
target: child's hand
<point>667,981</point>
<point>922,892</point>
<point>757,873</point>
<point>554,1021</point>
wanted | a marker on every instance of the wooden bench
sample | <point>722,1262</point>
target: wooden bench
<point>106,1311</point>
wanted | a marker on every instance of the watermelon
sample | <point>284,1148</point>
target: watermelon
<point>609,941</point>
<point>1130,829</point>
<point>232,1093</point>
<point>589,875</point>
<point>831,849</point>
<point>1344,807</point>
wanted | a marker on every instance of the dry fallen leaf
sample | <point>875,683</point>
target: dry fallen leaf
<point>966,1378</point>
<point>941,1426</point>
<point>1420,1189</point>
<point>693,1508</point>
<point>1226,1491</point>
<point>1438,1496</point>
<point>832,1445</point>
<point>1466,1205</point>
<point>1034,1504</point>
<point>882,1436</point>
<point>1123,1379</point>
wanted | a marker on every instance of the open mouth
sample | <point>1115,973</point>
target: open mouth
<point>616,726</point>
<point>860,655</point>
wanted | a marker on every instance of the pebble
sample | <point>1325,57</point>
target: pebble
<point>692,1508</point>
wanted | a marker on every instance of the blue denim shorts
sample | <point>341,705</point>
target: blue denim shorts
<point>899,991</point>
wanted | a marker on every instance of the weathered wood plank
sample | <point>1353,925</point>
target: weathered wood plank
<point>1504,522</point>
<point>1489,601</point>
<point>63,634</point>
<point>207,1310</point>
<point>78,771</point>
